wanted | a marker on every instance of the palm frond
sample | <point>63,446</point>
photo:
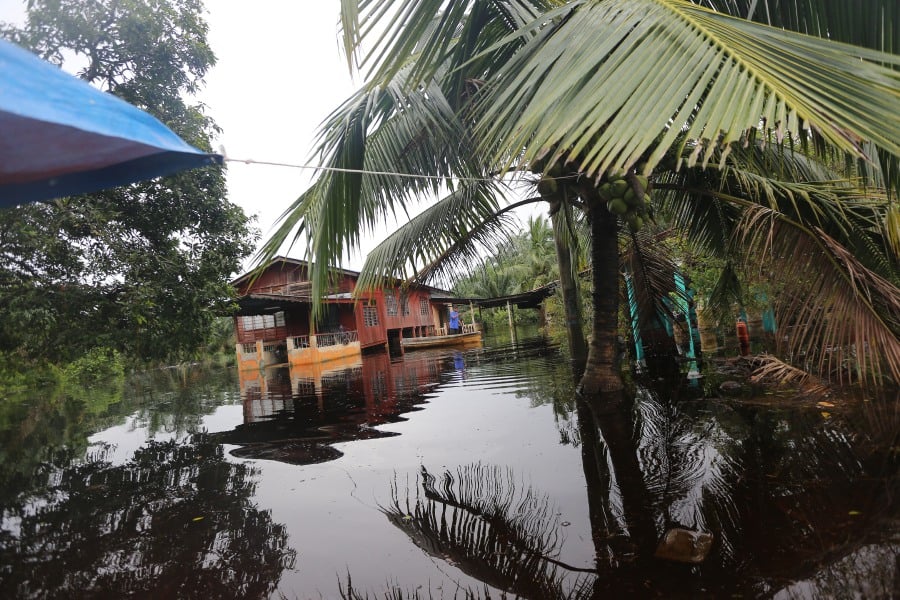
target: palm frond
<point>446,238</point>
<point>381,152</point>
<point>843,317</point>
<point>862,23</point>
<point>434,34</point>
<point>684,202</point>
<point>613,81</point>
<point>891,230</point>
<point>726,292</point>
<point>773,370</point>
<point>818,242</point>
<point>490,528</point>
<point>651,268</point>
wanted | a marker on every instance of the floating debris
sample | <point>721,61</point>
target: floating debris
<point>684,545</point>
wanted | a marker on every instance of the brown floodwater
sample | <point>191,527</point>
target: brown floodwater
<point>444,473</point>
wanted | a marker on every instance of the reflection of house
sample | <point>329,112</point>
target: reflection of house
<point>296,414</point>
<point>274,324</point>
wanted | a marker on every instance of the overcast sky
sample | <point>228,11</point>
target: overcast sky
<point>280,72</point>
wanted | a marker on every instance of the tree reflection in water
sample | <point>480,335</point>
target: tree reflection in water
<point>482,522</point>
<point>801,504</point>
<point>174,521</point>
<point>790,493</point>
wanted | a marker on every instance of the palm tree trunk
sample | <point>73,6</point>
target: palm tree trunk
<point>569,289</point>
<point>616,428</point>
<point>602,370</point>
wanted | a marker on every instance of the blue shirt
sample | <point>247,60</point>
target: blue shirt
<point>454,319</point>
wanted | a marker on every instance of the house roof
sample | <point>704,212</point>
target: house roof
<point>285,260</point>
<point>529,299</point>
<point>299,293</point>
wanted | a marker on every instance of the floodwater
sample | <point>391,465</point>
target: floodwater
<point>441,474</point>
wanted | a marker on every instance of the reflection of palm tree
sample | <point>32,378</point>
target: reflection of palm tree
<point>174,521</point>
<point>481,523</point>
<point>751,477</point>
<point>609,457</point>
<point>756,478</point>
<point>786,499</point>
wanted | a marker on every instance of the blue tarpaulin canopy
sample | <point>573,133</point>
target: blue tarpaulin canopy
<point>60,136</point>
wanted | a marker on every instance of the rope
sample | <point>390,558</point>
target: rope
<point>250,161</point>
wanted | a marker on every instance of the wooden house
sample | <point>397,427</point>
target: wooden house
<point>274,323</point>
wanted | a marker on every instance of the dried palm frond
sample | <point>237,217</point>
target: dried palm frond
<point>775,370</point>
<point>841,316</point>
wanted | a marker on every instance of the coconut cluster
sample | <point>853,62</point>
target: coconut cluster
<point>548,186</point>
<point>626,195</point>
<point>627,198</point>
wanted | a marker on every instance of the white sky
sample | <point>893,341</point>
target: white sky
<point>280,72</point>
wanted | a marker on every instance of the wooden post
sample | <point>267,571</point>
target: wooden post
<point>512,324</point>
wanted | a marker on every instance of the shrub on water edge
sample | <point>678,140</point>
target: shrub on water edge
<point>96,365</point>
<point>18,373</point>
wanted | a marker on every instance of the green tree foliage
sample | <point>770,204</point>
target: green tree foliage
<point>523,262</point>
<point>142,268</point>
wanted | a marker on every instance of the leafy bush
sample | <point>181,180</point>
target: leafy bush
<point>97,365</point>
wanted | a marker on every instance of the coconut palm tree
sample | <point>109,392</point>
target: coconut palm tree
<point>592,95</point>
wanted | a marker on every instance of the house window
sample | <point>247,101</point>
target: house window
<point>404,306</point>
<point>423,307</point>
<point>390,304</point>
<point>263,321</point>
<point>370,316</point>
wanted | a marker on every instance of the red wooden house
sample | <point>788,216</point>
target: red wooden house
<point>274,323</point>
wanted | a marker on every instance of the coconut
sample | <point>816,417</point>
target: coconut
<point>547,187</point>
<point>617,206</point>
<point>635,222</point>
<point>618,187</point>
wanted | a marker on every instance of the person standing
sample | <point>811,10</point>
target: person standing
<point>454,321</point>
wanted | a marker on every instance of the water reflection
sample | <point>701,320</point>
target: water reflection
<point>174,521</point>
<point>800,505</point>
<point>492,527</point>
<point>477,469</point>
<point>800,502</point>
<point>789,492</point>
<point>296,414</point>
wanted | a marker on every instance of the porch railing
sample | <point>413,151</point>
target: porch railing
<point>323,340</point>
<point>466,328</point>
<point>335,339</point>
<point>302,289</point>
